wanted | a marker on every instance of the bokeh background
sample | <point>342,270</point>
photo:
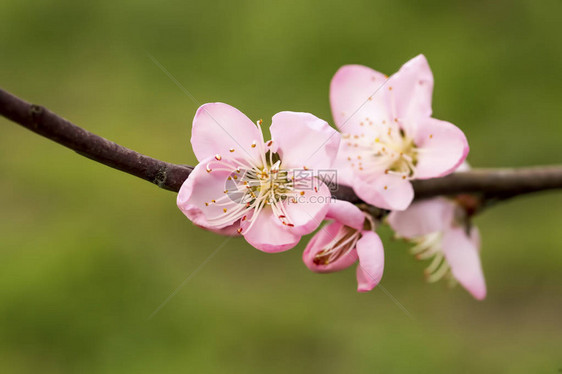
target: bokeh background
<point>88,253</point>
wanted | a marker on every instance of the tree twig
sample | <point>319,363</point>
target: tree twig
<point>494,184</point>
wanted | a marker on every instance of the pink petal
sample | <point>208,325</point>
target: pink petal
<point>358,100</point>
<point>442,148</point>
<point>303,140</point>
<point>462,254</point>
<point>410,91</point>
<point>346,213</point>
<point>319,242</point>
<point>386,191</point>
<point>219,128</point>
<point>342,165</point>
<point>423,217</point>
<point>200,189</point>
<point>310,208</point>
<point>268,234</point>
<point>231,230</point>
<point>371,261</point>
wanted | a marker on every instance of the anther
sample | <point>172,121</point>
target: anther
<point>231,149</point>
<point>218,157</point>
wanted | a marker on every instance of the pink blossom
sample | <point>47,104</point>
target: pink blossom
<point>339,244</point>
<point>441,230</point>
<point>388,135</point>
<point>244,185</point>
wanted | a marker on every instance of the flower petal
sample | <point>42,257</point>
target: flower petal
<point>442,148</point>
<point>196,195</point>
<point>308,208</point>
<point>462,254</point>
<point>342,165</point>
<point>371,261</point>
<point>346,213</point>
<point>267,234</point>
<point>231,230</point>
<point>410,91</point>
<point>357,97</point>
<point>304,140</point>
<point>386,191</point>
<point>423,217</point>
<point>220,128</point>
<point>325,236</point>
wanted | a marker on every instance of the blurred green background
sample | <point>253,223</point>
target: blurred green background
<point>88,253</point>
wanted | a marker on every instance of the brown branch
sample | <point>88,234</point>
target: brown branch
<point>45,123</point>
<point>490,183</point>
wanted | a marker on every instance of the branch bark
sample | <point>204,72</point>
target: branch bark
<point>490,183</point>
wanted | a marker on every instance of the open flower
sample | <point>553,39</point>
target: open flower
<point>441,230</point>
<point>388,135</point>
<point>265,191</point>
<point>339,244</point>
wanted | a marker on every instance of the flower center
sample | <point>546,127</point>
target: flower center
<point>391,151</point>
<point>255,185</point>
<point>429,246</point>
<point>268,184</point>
<point>338,247</point>
<point>343,243</point>
<point>404,158</point>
